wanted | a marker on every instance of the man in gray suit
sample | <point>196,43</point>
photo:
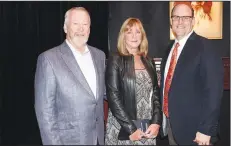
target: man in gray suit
<point>69,87</point>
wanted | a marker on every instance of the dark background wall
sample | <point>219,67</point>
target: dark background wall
<point>155,18</point>
<point>29,28</point>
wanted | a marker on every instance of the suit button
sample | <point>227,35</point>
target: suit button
<point>96,119</point>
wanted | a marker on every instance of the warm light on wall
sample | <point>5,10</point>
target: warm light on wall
<point>208,17</point>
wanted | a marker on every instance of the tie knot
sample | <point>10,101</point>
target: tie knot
<point>177,45</point>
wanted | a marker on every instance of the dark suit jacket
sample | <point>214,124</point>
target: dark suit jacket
<point>196,90</point>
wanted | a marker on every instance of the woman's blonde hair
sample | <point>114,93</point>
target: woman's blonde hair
<point>143,48</point>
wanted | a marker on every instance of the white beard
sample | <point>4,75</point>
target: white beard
<point>79,41</point>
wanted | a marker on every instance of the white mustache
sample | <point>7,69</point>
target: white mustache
<point>79,35</point>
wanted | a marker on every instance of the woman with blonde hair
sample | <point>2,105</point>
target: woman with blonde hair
<point>134,115</point>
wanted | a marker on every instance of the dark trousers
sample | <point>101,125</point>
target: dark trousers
<point>171,139</point>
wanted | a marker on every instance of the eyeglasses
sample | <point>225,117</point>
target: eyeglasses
<point>183,18</point>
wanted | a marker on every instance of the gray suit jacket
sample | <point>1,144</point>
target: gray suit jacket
<point>66,109</point>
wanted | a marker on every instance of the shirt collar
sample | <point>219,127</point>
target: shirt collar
<point>183,40</point>
<point>76,51</point>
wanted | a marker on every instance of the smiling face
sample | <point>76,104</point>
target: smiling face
<point>133,39</point>
<point>77,28</point>
<point>182,21</point>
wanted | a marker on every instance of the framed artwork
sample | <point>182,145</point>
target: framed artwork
<point>208,18</point>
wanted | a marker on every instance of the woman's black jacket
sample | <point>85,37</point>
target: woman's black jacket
<point>120,89</point>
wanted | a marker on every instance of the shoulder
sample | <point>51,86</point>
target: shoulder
<point>114,62</point>
<point>50,53</point>
<point>202,40</point>
<point>114,55</point>
<point>151,61</point>
<point>114,58</point>
<point>98,51</point>
<point>208,47</point>
<point>149,58</point>
<point>207,44</point>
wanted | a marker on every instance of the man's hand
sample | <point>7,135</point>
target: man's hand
<point>137,135</point>
<point>202,139</point>
<point>152,131</point>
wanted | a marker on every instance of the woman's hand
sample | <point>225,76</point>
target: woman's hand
<point>152,131</point>
<point>137,135</point>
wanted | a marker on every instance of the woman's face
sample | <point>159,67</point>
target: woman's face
<point>133,38</point>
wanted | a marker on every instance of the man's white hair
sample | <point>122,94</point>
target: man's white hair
<point>74,9</point>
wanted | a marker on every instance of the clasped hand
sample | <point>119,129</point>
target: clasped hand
<point>151,132</point>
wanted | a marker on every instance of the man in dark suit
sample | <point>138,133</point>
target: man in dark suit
<point>191,84</point>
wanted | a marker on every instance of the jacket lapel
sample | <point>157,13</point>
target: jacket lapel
<point>96,63</point>
<point>184,57</point>
<point>72,64</point>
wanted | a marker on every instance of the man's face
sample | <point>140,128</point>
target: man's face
<point>78,28</point>
<point>182,21</point>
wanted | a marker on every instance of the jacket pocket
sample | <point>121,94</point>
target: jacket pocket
<point>67,125</point>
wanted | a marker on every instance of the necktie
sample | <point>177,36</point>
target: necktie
<point>168,79</point>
